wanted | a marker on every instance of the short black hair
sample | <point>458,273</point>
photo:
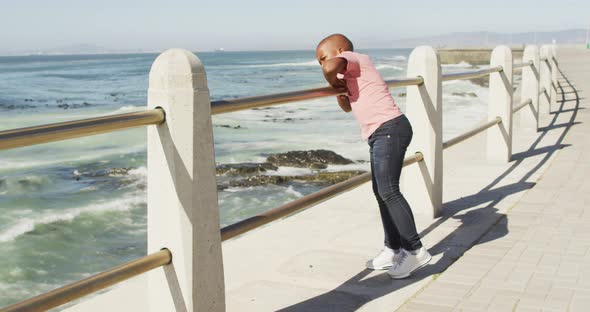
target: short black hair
<point>348,44</point>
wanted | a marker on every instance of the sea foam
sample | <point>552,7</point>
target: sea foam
<point>27,224</point>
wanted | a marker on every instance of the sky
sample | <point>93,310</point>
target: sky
<point>202,25</point>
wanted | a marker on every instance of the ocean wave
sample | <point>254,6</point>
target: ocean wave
<point>293,64</point>
<point>24,184</point>
<point>129,108</point>
<point>396,58</point>
<point>28,164</point>
<point>389,66</point>
<point>25,225</point>
<point>462,64</point>
<point>290,190</point>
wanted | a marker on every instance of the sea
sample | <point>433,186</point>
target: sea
<point>65,215</point>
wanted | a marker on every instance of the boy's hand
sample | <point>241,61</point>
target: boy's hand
<point>331,68</point>
<point>340,85</point>
<point>344,102</point>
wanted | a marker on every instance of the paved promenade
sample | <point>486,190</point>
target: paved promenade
<point>537,257</point>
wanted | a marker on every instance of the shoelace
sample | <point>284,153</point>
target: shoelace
<point>402,258</point>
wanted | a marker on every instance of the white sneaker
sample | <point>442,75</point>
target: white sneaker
<point>385,259</point>
<point>409,263</point>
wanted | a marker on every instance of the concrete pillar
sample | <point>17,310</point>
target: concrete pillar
<point>553,63</point>
<point>499,138</point>
<point>182,195</point>
<point>545,81</point>
<point>422,182</point>
<point>529,116</point>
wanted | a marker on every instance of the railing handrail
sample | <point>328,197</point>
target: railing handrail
<point>523,64</point>
<point>78,128</point>
<point>237,104</point>
<point>522,105</point>
<point>467,134</point>
<point>471,73</point>
<point>94,283</point>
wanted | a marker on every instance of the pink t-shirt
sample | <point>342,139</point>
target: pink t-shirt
<point>371,102</point>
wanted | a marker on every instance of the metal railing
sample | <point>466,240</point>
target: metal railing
<point>523,64</point>
<point>522,105</point>
<point>79,128</point>
<point>471,74</point>
<point>94,283</point>
<point>233,105</point>
<point>466,135</point>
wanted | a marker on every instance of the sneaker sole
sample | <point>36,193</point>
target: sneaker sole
<point>380,268</point>
<point>414,270</point>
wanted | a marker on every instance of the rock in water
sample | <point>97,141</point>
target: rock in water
<point>316,159</point>
<point>118,172</point>
<point>245,168</point>
<point>321,178</point>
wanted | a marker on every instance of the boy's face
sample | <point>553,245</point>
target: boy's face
<point>326,51</point>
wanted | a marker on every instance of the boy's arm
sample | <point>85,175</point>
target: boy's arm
<point>344,103</point>
<point>331,68</point>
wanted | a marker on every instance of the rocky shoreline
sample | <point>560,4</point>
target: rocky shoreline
<point>254,174</point>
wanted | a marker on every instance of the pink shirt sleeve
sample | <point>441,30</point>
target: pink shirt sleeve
<point>353,68</point>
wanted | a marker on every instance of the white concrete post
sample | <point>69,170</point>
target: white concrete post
<point>545,80</point>
<point>182,192</point>
<point>553,63</point>
<point>422,182</point>
<point>499,138</point>
<point>529,116</point>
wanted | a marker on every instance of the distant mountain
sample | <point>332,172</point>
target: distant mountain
<point>450,40</point>
<point>84,48</point>
<point>484,39</point>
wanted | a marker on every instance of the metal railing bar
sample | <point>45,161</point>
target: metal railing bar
<point>78,128</point>
<point>521,106</point>
<point>521,65</point>
<point>471,74</point>
<point>91,284</point>
<point>302,203</point>
<point>466,135</point>
<point>233,105</point>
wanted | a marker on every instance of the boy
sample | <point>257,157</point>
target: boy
<point>389,133</point>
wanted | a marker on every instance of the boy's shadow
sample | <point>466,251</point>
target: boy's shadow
<point>368,285</point>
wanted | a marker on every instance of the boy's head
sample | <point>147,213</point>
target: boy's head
<point>332,46</point>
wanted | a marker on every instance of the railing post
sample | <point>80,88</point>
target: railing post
<point>499,139</point>
<point>554,84</point>
<point>181,189</point>
<point>423,183</point>
<point>545,80</point>
<point>529,116</point>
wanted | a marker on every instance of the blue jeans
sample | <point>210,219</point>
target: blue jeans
<point>388,146</point>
